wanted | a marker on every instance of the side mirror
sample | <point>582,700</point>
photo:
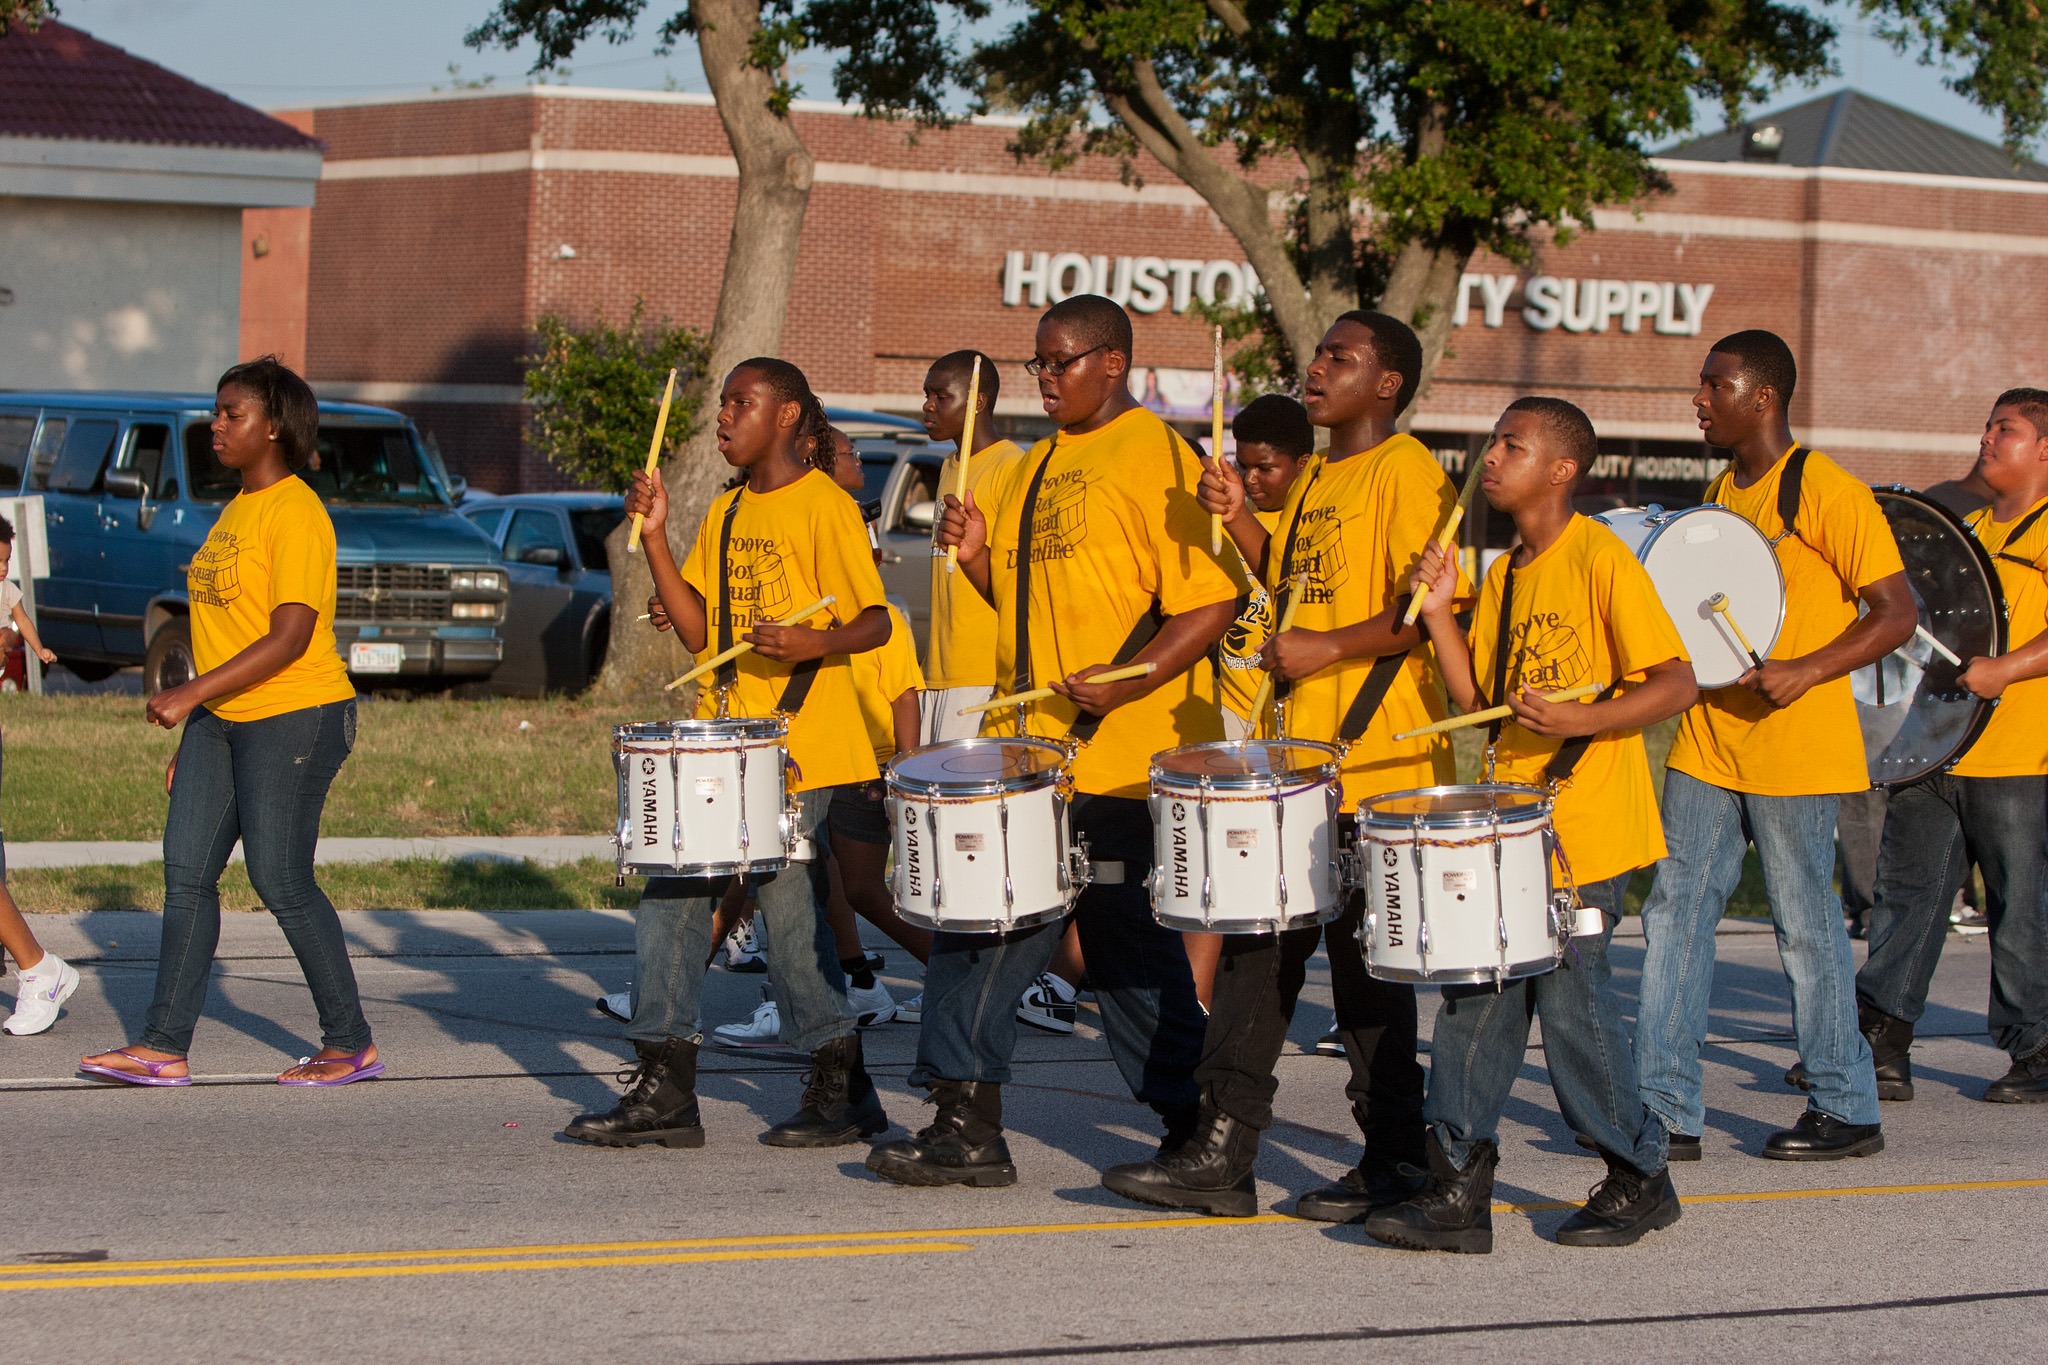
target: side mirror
<point>550,555</point>
<point>124,483</point>
<point>921,516</point>
<point>458,489</point>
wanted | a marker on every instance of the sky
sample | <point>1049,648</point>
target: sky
<point>287,53</point>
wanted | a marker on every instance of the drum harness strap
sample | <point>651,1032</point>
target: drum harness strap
<point>2014,536</point>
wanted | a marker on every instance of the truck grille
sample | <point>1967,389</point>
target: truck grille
<point>391,592</point>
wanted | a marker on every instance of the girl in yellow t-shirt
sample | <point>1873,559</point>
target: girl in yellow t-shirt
<point>268,722</point>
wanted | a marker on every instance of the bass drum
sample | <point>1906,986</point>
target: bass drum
<point>1694,553</point>
<point>1917,717</point>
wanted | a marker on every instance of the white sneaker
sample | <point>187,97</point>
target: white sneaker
<point>1048,1004</point>
<point>619,1005</point>
<point>40,994</point>
<point>743,949</point>
<point>1331,1044</point>
<point>871,1006</point>
<point>911,1011</point>
<point>763,1030</point>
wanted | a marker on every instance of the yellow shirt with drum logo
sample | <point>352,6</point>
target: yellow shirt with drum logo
<point>1732,737</point>
<point>1239,649</point>
<point>1583,611</point>
<point>962,652</point>
<point>1116,530</point>
<point>268,549</point>
<point>882,675</point>
<point>789,548</point>
<point>1365,521</point>
<point>2015,742</point>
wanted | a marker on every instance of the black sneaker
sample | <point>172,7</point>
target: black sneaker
<point>1823,1137</point>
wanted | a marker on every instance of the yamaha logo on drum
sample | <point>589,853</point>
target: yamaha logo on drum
<point>1390,894</point>
<point>913,862</point>
<point>1179,827</point>
<point>650,803</point>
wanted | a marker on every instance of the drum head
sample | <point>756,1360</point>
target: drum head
<point>974,765</point>
<point>698,731</point>
<point>1695,553</point>
<point>1917,718</point>
<point>1478,804</point>
<point>1246,763</point>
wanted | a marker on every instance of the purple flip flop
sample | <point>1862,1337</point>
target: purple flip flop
<point>356,1070</point>
<point>152,1071</point>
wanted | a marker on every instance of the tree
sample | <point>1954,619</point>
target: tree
<point>27,13</point>
<point>592,396</point>
<point>1418,131</point>
<point>740,57</point>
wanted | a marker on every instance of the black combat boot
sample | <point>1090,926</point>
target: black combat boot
<point>659,1106</point>
<point>1621,1208</point>
<point>1389,1172</point>
<point>2025,1083</point>
<point>1210,1170</point>
<point>962,1146</point>
<point>1891,1047</point>
<point>839,1105</point>
<point>1454,1212</point>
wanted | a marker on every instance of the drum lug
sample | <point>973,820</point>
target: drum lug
<point>1079,860</point>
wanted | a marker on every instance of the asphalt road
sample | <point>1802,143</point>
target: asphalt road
<point>435,1214</point>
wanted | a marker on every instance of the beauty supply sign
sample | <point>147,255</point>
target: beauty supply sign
<point>1665,307</point>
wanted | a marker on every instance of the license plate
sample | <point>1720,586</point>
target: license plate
<point>376,658</point>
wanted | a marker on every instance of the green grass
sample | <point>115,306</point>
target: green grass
<point>409,884</point>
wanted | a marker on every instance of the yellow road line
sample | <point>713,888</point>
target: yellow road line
<point>77,1281</point>
<point>1766,1196</point>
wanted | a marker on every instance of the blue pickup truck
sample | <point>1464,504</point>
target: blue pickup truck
<point>130,488</point>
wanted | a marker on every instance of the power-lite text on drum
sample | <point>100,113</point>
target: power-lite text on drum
<point>702,797</point>
<point>1693,553</point>
<point>1917,717</point>
<point>1245,836</point>
<point>1457,884</point>
<point>981,834</point>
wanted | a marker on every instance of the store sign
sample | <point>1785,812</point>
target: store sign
<point>1548,302</point>
<point>1143,284</point>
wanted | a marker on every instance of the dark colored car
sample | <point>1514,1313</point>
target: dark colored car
<point>558,619</point>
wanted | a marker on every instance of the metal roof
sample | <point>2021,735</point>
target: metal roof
<point>1853,131</point>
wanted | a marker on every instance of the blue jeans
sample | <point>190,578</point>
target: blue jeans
<point>672,941</point>
<point>263,782</point>
<point>1137,966</point>
<point>1482,1034</point>
<point>1707,828</point>
<point>1934,830</point>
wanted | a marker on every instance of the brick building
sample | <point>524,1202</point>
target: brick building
<point>1896,255</point>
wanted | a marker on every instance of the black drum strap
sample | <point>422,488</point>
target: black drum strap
<point>729,670</point>
<point>1789,484</point>
<point>1373,691</point>
<point>1573,751</point>
<point>2014,536</point>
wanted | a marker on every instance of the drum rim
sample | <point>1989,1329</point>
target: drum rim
<point>989,786</point>
<point>1669,518</point>
<point>732,727</point>
<point>1368,818</point>
<point>1321,772</point>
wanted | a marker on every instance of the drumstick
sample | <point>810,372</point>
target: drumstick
<point>1719,602</point>
<point>1216,443</point>
<point>1937,646</point>
<point>727,656</point>
<point>1449,533</point>
<point>1041,693</point>
<point>966,448</point>
<point>1496,712</point>
<point>1294,595</point>
<point>653,458</point>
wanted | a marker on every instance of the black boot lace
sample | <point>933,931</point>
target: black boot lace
<point>1621,1188</point>
<point>641,1080</point>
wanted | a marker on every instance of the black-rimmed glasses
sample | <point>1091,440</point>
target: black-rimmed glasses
<point>1039,365</point>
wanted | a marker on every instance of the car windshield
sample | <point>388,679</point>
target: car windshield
<point>350,464</point>
<point>592,525</point>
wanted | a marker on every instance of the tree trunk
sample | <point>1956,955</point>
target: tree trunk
<point>753,301</point>
<point>1422,290</point>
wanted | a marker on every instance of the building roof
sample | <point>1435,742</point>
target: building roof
<point>1851,130</point>
<point>60,82</point>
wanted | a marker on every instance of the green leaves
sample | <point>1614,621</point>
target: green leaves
<point>594,392</point>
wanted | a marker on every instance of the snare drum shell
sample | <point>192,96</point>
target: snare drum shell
<point>985,863</point>
<point>1255,845</point>
<point>698,801</point>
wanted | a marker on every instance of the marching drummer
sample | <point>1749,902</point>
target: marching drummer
<point>785,536</point>
<point>1354,529</point>
<point>1570,606</point>
<point>1991,807</point>
<point>1763,761</point>
<point>1095,554</point>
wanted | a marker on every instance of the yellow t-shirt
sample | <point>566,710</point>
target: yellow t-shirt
<point>1732,737</point>
<point>882,675</point>
<point>791,547</point>
<point>268,549</point>
<point>1365,521</point>
<point>1116,529</point>
<point>2015,743</point>
<point>963,625</point>
<point>1239,649</point>
<point>1583,611</point>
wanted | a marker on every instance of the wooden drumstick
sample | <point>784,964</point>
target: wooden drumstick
<point>653,459</point>
<point>1216,443</point>
<point>1719,602</point>
<point>966,449</point>
<point>1492,713</point>
<point>1937,646</point>
<point>1448,534</point>
<point>1294,595</point>
<point>1041,693</point>
<point>727,656</point>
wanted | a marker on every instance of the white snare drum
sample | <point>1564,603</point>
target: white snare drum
<point>1457,883</point>
<point>1245,836</point>
<point>1695,552</point>
<point>703,798</point>
<point>981,835</point>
